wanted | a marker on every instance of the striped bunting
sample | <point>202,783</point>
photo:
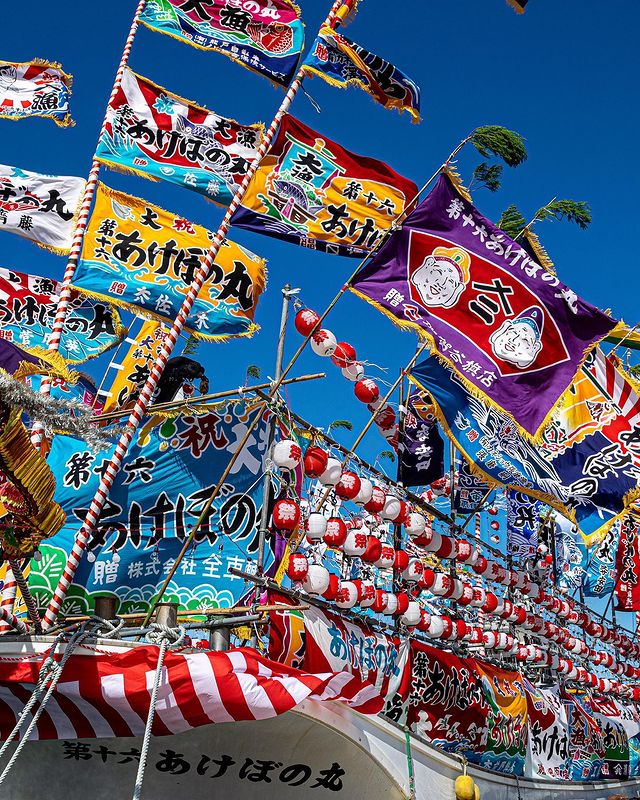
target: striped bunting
<point>107,695</point>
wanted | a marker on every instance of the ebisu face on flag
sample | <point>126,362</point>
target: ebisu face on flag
<point>28,308</point>
<point>35,89</point>
<point>265,36</point>
<point>341,62</point>
<point>510,329</point>
<point>156,498</point>
<point>141,257</point>
<point>158,135</point>
<point>43,208</point>
<point>591,479</point>
<point>310,191</point>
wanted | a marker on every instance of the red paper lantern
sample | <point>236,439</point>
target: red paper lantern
<point>344,355</point>
<point>297,567</point>
<point>428,577</point>
<point>315,461</point>
<point>376,504</point>
<point>367,391</point>
<point>401,561</point>
<point>403,603</point>
<point>305,321</point>
<point>402,514</point>
<point>335,533</point>
<point>334,587</point>
<point>348,486</point>
<point>491,603</point>
<point>380,602</point>
<point>373,551</point>
<point>481,565</point>
<point>446,548</point>
<point>493,511</point>
<point>286,515</point>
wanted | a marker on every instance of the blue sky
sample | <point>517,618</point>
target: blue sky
<point>563,75</point>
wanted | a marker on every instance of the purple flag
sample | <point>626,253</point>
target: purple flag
<point>420,448</point>
<point>510,329</point>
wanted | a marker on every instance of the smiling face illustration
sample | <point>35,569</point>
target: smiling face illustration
<point>518,341</point>
<point>439,280</point>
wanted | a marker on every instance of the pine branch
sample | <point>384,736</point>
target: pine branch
<point>575,211</point>
<point>253,371</point>
<point>388,454</point>
<point>340,423</point>
<point>487,175</point>
<point>191,346</point>
<point>512,222</point>
<point>494,140</point>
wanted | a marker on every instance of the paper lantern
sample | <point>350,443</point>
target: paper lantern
<point>348,486</point>
<point>287,454</point>
<point>413,571</point>
<point>335,532</point>
<point>353,372</point>
<point>455,592</point>
<point>391,507</point>
<point>331,592</point>
<point>347,595</point>
<point>467,594</point>
<point>332,473</point>
<point>366,391</point>
<point>305,321</point>
<point>425,621</point>
<point>385,417</point>
<point>392,604</point>
<point>297,567</point>
<point>436,627</point>
<point>415,524</point>
<point>490,603</point>
<point>315,461</point>
<point>427,579</point>
<point>364,493</point>
<point>490,639</point>
<point>323,342</point>
<point>355,544</point>
<point>463,550</point>
<point>432,542</point>
<point>441,584</point>
<point>380,603</point>
<point>386,558</point>
<point>389,433</point>
<point>366,593</point>
<point>495,525</point>
<point>481,565</point>
<point>439,487</point>
<point>447,629</point>
<point>286,515</point>
<point>373,551</point>
<point>446,548</point>
<point>315,527</point>
<point>411,616</point>
<point>401,560</point>
<point>479,597</point>
<point>343,355</point>
<point>316,581</point>
<point>377,501</point>
<point>403,603</point>
<point>493,511</point>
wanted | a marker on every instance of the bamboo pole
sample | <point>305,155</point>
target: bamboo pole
<point>144,400</point>
<point>76,246</point>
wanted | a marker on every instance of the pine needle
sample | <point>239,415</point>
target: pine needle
<point>253,371</point>
<point>191,346</point>
<point>341,423</point>
<point>575,211</point>
<point>487,175</point>
<point>387,454</point>
<point>500,142</point>
<point>512,222</point>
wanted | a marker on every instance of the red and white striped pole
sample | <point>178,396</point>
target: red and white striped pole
<point>81,225</point>
<point>170,341</point>
<point>9,591</point>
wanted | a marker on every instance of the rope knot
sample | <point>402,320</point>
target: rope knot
<point>163,633</point>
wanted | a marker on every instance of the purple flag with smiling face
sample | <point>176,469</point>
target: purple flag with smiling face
<point>510,329</point>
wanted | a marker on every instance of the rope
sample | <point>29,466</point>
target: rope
<point>412,783</point>
<point>161,634</point>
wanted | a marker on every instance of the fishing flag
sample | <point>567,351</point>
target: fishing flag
<point>471,490</point>
<point>310,191</point>
<point>135,368</point>
<point>420,447</point>
<point>158,135</point>
<point>523,521</point>
<point>600,569</point>
<point>83,389</point>
<point>35,89</point>
<point>628,565</point>
<point>571,553</point>
<point>341,62</point>
<point>143,258</point>
<point>157,496</point>
<point>265,36</point>
<point>548,741</point>
<point>28,308</point>
<point>586,742</point>
<point>616,742</point>
<point>43,208</point>
<point>512,331</point>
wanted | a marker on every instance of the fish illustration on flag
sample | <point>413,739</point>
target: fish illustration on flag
<point>310,191</point>
<point>35,89</point>
<point>158,135</point>
<point>341,62</point>
<point>511,330</point>
<point>42,208</point>
<point>28,306</point>
<point>265,36</point>
<point>140,257</point>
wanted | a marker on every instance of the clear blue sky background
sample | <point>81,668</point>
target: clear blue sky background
<point>564,75</point>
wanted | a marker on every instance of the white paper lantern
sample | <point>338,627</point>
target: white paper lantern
<point>411,616</point>
<point>365,493</point>
<point>441,584</point>
<point>347,595</point>
<point>323,342</point>
<point>415,524</point>
<point>355,544</point>
<point>332,473</point>
<point>316,527</point>
<point>458,588</point>
<point>387,557</point>
<point>354,372</point>
<point>392,604</point>
<point>316,581</point>
<point>479,597</point>
<point>413,571</point>
<point>287,454</point>
<point>367,594</point>
<point>436,627</point>
<point>391,508</point>
<point>435,542</point>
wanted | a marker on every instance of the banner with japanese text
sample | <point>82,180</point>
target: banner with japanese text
<point>628,565</point>
<point>143,258</point>
<point>600,569</point>
<point>265,36</point>
<point>310,191</point>
<point>319,641</point>
<point>471,490</point>
<point>586,743</point>
<point>161,136</point>
<point>420,446</point>
<point>614,736</point>
<point>157,496</point>
<point>341,62</point>
<point>506,746</point>
<point>523,521</point>
<point>28,308</point>
<point>571,554</point>
<point>447,704</point>
<point>548,741</point>
<point>35,89</point>
<point>513,333</point>
<point>41,208</point>
<point>562,478</point>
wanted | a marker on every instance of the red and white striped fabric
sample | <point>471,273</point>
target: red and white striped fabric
<point>614,384</point>
<point>102,695</point>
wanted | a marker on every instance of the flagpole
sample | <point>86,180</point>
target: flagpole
<point>37,433</point>
<point>139,410</point>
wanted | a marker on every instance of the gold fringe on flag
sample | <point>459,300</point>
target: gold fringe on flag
<point>542,257</point>
<point>518,7</point>
<point>452,173</point>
